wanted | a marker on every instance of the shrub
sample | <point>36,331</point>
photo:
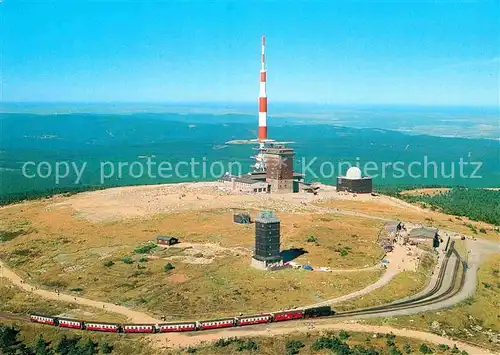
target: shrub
<point>343,335</point>
<point>344,252</point>
<point>145,249</point>
<point>311,239</point>
<point>127,260</point>
<point>106,348</point>
<point>395,351</point>
<point>78,289</point>
<point>222,342</point>
<point>482,230</point>
<point>169,267</point>
<point>143,260</point>
<point>407,348</point>
<point>471,227</point>
<point>22,252</point>
<point>293,347</point>
<point>424,349</point>
<point>443,347</point>
<point>247,345</point>
<point>390,340</point>
<point>331,343</point>
<point>109,263</point>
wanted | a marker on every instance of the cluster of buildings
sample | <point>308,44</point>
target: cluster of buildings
<point>273,169</point>
<point>276,175</point>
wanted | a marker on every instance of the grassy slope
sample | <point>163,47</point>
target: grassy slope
<point>403,285</point>
<point>426,216</point>
<point>16,301</point>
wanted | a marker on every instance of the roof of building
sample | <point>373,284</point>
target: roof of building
<point>353,173</point>
<point>246,180</point>
<point>279,150</point>
<point>164,237</point>
<point>391,226</point>
<point>267,217</point>
<point>423,232</point>
<point>243,180</point>
<point>361,178</point>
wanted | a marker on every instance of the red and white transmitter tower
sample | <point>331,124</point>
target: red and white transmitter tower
<point>262,140</point>
<point>263,95</point>
<point>262,133</point>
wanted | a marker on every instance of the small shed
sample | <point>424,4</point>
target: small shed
<point>166,240</point>
<point>242,218</point>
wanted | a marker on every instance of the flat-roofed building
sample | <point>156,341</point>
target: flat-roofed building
<point>245,184</point>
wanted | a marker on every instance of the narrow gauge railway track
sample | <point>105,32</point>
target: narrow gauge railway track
<point>425,297</point>
<point>423,300</point>
<point>14,317</point>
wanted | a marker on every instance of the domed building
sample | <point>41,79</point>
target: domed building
<point>353,181</point>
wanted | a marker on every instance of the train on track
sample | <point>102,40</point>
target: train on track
<point>240,321</point>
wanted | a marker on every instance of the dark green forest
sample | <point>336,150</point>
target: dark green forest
<point>10,344</point>
<point>6,199</point>
<point>476,204</point>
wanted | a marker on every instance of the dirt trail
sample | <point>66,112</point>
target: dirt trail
<point>352,327</point>
<point>134,316</point>
<point>398,262</point>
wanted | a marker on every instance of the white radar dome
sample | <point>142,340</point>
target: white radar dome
<point>353,173</point>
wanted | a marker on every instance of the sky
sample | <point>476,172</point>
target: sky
<point>325,52</point>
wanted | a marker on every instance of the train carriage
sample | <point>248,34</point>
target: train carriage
<point>138,328</point>
<point>103,327</point>
<point>177,327</point>
<point>69,323</point>
<point>43,319</point>
<point>217,323</point>
<point>288,315</point>
<point>256,319</point>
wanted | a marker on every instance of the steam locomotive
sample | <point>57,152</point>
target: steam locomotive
<point>185,326</point>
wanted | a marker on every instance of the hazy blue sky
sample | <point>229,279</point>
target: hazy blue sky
<point>417,52</point>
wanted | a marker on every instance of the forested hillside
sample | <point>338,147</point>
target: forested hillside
<point>476,204</point>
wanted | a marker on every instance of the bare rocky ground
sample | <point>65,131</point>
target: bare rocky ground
<point>143,201</point>
<point>203,253</point>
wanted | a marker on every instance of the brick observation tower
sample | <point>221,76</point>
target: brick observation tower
<point>279,168</point>
<point>267,242</point>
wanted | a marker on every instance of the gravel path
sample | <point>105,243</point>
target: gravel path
<point>134,317</point>
<point>398,262</point>
<point>281,329</point>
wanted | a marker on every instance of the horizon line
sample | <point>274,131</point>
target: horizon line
<point>279,102</point>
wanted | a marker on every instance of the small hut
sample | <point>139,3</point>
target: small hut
<point>166,240</point>
<point>241,218</point>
